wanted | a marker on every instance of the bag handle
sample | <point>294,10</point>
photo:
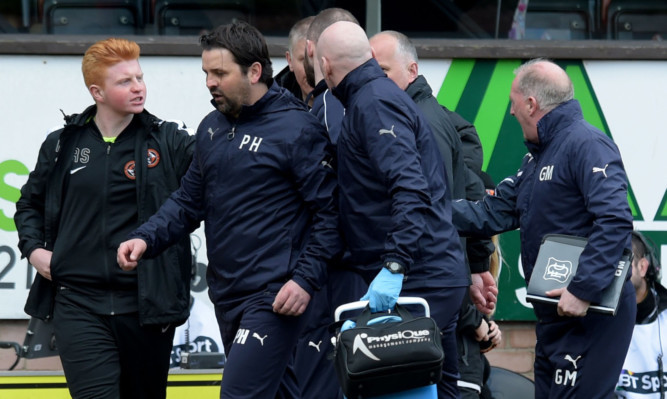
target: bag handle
<point>402,300</point>
<point>366,315</point>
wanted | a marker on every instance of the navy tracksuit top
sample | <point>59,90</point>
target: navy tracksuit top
<point>572,182</point>
<point>264,187</point>
<point>393,201</point>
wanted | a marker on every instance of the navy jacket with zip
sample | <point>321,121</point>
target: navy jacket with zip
<point>328,110</point>
<point>393,199</point>
<point>573,182</point>
<point>263,185</point>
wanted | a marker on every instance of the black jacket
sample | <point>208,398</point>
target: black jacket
<point>445,134</point>
<point>162,283</point>
<point>461,179</point>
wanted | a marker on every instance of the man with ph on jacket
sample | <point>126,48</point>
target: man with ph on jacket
<point>261,180</point>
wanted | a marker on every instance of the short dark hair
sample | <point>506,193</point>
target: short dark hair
<point>326,18</point>
<point>245,42</point>
<point>641,248</point>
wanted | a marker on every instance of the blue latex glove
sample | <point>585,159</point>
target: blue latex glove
<point>378,320</point>
<point>347,325</point>
<point>384,290</point>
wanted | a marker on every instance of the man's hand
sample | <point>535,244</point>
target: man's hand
<point>569,305</point>
<point>383,291</point>
<point>495,335</point>
<point>481,332</point>
<point>493,338</point>
<point>129,253</point>
<point>291,300</point>
<point>40,258</point>
<point>484,292</point>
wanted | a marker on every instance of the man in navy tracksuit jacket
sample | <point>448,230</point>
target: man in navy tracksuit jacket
<point>394,210</point>
<point>312,364</point>
<point>261,181</point>
<point>572,182</point>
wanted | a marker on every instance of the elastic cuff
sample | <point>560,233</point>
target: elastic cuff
<point>479,267</point>
<point>303,283</point>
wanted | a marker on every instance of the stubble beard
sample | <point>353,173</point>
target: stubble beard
<point>310,71</point>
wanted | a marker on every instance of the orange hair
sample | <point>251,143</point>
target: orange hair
<point>104,54</point>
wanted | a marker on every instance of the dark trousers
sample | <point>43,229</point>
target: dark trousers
<point>259,345</point>
<point>312,363</point>
<point>582,357</point>
<point>111,356</point>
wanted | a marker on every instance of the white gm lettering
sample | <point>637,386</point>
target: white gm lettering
<point>565,377</point>
<point>546,173</point>
<point>256,141</point>
<point>619,269</point>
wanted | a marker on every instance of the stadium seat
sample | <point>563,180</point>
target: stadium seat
<point>104,17</point>
<point>637,19</point>
<point>193,17</point>
<point>559,20</point>
<point>506,384</point>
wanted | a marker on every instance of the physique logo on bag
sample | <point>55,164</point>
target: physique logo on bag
<point>404,337</point>
<point>558,270</point>
<point>359,344</point>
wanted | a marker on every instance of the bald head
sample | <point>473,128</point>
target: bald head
<point>397,57</point>
<point>322,21</point>
<point>546,82</point>
<point>342,47</point>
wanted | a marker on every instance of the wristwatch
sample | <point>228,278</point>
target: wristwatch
<point>395,267</point>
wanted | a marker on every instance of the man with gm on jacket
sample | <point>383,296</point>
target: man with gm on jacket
<point>572,181</point>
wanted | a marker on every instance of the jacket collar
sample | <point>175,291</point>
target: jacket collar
<point>556,123</point>
<point>320,88</point>
<point>355,79</point>
<point>77,120</point>
<point>419,89</point>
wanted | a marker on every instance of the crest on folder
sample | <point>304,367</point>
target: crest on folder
<point>559,270</point>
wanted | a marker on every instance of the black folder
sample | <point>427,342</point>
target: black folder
<point>556,264</point>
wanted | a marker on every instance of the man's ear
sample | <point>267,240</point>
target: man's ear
<point>325,66</point>
<point>532,105</point>
<point>254,72</point>
<point>96,92</point>
<point>288,57</point>
<point>413,70</point>
<point>643,266</point>
<point>310,48</point>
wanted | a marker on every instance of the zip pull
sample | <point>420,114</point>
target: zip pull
<point>108,148</point>
<point>231,134</point>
